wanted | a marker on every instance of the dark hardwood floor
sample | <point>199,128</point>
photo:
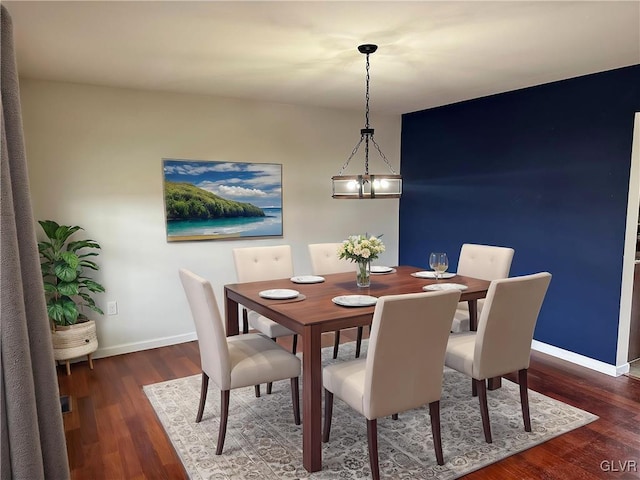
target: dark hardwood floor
<point>112,431</point>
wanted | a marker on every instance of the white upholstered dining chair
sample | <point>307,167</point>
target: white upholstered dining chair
<point>324,261</point>
<point>486,262</point>
<point>237,361</point>
<point>502,343</point>
<point>401,372</point>
<point>255,264</point>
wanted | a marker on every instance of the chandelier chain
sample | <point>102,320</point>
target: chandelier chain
<point>383,157</point>
<point>366,123</point>
<point>353,152</point>
<point>366,97</point>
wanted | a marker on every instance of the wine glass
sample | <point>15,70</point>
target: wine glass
<point>439,262</point>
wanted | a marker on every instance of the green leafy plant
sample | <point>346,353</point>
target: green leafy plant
<point>63,264</point>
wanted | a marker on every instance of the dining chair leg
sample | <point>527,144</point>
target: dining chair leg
<point>270,384</point>
<point>336,343</point>
<point>294,348</point>
<point>434,413</point>
<point>394,416</point>
<point>372,440</point>
<point>257,390</point>
<point>203,396</point>
<point>524,398</point>
<point>295,399</point>
<point>328,411</point>
<point>245,321</point>
<point>474,389</point>
<point>224,415</point>
<point>481,385</point>
<point>359,341</point>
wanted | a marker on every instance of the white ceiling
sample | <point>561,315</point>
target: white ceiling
<point>430,53</point>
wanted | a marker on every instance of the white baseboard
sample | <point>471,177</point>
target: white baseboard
<point>138,346</point>
<point>597,365</point>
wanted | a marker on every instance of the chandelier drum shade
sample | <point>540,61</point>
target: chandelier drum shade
<point>366,185</point>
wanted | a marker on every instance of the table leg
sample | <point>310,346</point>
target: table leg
<point>473,315</point>
<point>494,383</point>
<point>311,399</point>
<point>231,316</point>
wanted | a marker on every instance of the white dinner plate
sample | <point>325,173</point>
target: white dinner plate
<point>279,293</point>
<point>381,269</point>
<point>355,300</point>
<point>432,274</point>
<point>445,286</point>
<point>307,279</point>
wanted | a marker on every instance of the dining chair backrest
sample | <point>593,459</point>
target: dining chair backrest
<point>255,264</point>
<point>212,341</point>
<point>486,262</point>
<point>405,371</point>
<point>507,323</point>
<point>325,260</point>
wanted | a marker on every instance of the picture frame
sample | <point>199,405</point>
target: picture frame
<point>221,200</point>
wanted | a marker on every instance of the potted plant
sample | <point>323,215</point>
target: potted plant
<point>68,290</point>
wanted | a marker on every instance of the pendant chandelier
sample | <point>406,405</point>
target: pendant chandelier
<point>367,185</point>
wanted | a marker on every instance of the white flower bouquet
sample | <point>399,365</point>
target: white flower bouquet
<point>361,248</point>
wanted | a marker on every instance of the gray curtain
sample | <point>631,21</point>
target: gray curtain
<point>33,443</point>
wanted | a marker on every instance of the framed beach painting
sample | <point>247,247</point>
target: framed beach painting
<point>212,200</point>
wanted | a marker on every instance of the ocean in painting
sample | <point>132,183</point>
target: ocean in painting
<point>269,225</point>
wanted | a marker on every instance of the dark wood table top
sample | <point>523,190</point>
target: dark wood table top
<point>315,305</point>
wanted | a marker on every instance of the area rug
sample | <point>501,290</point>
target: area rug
<point>263,442</point>
<point>634,369</point>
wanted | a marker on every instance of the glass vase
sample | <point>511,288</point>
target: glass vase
<point>363,274</point>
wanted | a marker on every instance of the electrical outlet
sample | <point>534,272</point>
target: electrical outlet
<point>112,308</point>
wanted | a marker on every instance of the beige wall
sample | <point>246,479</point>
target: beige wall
<point>94,157</point>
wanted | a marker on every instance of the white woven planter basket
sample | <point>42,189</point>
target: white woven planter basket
<point>74,340</point>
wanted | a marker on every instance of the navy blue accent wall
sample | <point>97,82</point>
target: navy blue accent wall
<point>544,170</point>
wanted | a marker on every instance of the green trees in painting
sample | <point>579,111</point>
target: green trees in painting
<point>186,201</point>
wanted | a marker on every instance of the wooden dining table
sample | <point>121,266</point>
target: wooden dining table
<point>313,312</point>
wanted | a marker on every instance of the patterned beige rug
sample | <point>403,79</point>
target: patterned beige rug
<point>634,369</point>
<point>263,442</point>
